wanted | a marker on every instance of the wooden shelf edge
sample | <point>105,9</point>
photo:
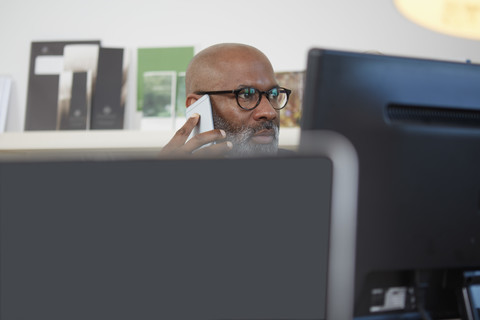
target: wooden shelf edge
<point>104,140</point>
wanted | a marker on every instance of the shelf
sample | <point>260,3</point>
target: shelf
<point>98,144</point>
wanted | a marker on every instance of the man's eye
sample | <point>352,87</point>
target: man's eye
<point>247,93</point>
<point>273,93</point>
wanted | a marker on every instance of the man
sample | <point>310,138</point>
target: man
<point>245,99</point>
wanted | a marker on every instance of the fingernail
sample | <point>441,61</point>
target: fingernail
<point>223,133</point>
<point>195,115</point>
<point>229,145</point>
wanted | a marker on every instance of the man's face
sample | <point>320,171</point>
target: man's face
<point>250,131</point>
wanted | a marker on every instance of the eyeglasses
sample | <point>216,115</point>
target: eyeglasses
<point>249,98</point>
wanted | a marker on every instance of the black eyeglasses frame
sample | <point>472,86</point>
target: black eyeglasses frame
<point>261,93</point>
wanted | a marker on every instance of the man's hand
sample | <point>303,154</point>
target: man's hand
<point>178,147</point>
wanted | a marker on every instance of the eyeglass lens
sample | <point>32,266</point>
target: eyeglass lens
<point>249,98</point>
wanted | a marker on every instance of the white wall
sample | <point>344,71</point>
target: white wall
<point>283,29</point>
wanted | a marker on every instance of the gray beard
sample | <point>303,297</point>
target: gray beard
<point>240,138</point>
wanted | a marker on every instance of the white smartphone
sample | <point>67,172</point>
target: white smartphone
<point>203,107</point>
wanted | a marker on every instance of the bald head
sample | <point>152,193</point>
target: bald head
<point>211,68</point>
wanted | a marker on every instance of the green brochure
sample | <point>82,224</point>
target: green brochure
<point>160,82</point>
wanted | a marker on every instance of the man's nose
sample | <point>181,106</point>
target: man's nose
<point>264,111</point>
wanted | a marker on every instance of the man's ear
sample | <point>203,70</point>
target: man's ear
<point>191,98</point>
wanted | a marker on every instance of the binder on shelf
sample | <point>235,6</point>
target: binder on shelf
<point>46,66</point>
<point>74,100</point>
<point>75,88</point>
<point>108,105</point>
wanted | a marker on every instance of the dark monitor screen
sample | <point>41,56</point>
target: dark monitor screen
<point>415,125</point>
<point>168,239</point>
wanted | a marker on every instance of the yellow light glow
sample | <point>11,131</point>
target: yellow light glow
<point>459,18</point>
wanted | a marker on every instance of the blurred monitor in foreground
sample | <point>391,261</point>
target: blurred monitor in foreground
<point>171,239</point>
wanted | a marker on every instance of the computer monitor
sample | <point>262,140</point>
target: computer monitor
<point>415,125</point>
<point>173,238</point>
